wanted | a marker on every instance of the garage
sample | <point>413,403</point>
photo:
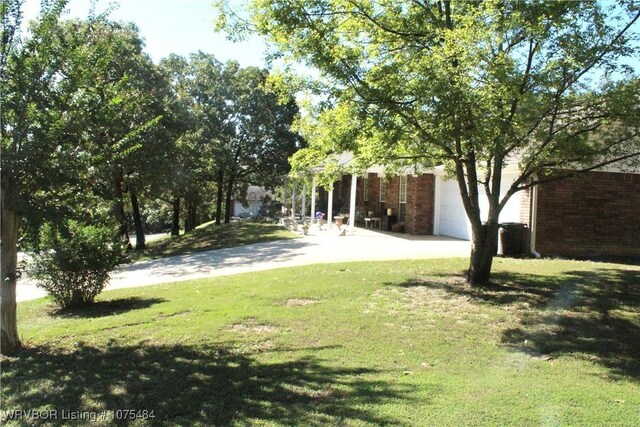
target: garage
<point>453,220</point>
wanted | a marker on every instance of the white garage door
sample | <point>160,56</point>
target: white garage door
<point>453,219</point>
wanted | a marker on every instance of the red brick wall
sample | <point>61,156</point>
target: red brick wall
<point>374,194</point>
<point>392,199</point>
<point>420,199</point>
<point>597,214</point>
<point>373,204</point>
<point>420,204</point>
<point>342,197</point>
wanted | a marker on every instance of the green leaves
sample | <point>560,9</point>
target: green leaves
<point>83,117</point>
<point>471,82</point>
<point>73,263</point>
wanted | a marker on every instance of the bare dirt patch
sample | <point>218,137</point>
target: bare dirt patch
<point>297,302</point>
<point>250,325</point>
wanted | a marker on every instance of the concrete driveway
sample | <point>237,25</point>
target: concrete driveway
<point>319,247</point>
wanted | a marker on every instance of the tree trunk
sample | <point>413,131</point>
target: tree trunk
<point>484,245</point>
<point>190,217</point>
<point>137,221</point>
<point>229,208</point>
<point>484,236</point>
<point>193,214</point>
<point>219,183</point>
<point>175,223</point>
<point>187,226</point>
<point>121,216</point>
<point>9,340</point>
<point>187,220</point>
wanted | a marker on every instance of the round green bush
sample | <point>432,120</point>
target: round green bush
<point>73,264</point>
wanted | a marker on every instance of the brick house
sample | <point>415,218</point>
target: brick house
<point>596,214</point>
<point>593,214</point>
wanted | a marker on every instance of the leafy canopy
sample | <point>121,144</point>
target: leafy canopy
<point>469,84</point>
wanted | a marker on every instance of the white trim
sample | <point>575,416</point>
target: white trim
<point>352,205</point>
<point>404,178</point>
<point>313,199</point>
<point>618,169</point>
<point>304,202</point>
<point>533,203</point>
<point>437,197</point>
<point>406,184</point>
<point>346,158</point>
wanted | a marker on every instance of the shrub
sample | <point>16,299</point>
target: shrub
<point>73,264</point>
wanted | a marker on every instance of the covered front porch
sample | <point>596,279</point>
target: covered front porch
<point>340,208</point>
<point>399,201</point>
<point>410,200</point>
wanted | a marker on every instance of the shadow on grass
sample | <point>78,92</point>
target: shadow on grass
<point>628,260</point>
<point>108,308</point>
<point>594,315</point>
<point>187,385</point>
<point>506,288</point>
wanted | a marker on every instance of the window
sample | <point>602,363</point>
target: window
<point>403,198</point>
<point>403,189</point>
<point>366,188</point>
<point>383,190</point>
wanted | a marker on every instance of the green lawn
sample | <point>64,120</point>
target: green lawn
<point>210,236</point>
<point>384,343</point>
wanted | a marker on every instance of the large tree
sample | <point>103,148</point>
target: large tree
<point>238,132</point>
<point>79,122</point>
<point>118,105</point>
<point>180,120</point>
<point>31,151</point>
<point>472,85</point>
<point>261,138</point>
<point>201,86</point>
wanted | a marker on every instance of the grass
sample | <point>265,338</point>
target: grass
<point>210,236</point>
<point>400,343</point>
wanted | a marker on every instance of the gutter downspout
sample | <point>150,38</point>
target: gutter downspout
<point>534,221</point>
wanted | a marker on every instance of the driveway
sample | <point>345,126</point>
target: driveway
<point>319,247</point>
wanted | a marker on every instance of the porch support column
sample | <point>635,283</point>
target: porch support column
<point>313,199</point>
<point>330,207</point>
<point>304,201</point>
<point>352,205</point>
<point>293,202</point>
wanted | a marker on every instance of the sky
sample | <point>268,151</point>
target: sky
<point>171,26</point>
<point>183,27</point>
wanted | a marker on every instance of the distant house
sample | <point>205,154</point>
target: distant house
<point>254,201</point>
<point>592,214</point>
